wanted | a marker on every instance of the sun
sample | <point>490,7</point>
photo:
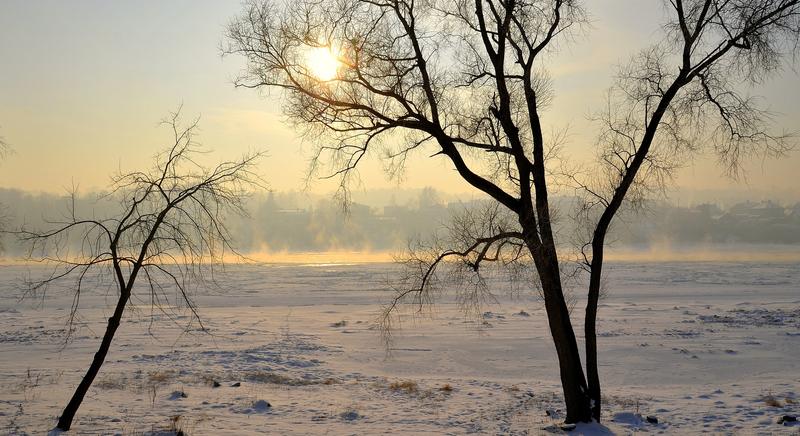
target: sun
<point>322,62</point>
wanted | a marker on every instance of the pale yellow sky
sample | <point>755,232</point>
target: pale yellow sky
<point>84,83</point>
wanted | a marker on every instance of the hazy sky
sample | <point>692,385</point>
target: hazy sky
<point>83,85</point>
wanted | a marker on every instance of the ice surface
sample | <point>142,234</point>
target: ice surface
<point>709,347</point>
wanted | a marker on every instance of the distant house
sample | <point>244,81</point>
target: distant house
<point>794,212</point>
<point>762,209</point>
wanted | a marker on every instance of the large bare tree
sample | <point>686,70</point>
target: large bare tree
<point>467,80</point>
<point>169,232</point>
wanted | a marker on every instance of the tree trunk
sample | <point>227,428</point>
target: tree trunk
<point>590,333</point>
<point>573,381</point>
<point>65,420</point>
<point>590,323</point>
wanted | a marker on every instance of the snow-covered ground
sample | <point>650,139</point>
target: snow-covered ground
<point>702,347</point>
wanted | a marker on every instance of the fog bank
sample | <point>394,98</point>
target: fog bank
<point>294,227</point>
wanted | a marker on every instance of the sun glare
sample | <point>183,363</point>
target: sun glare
<point>322,63</point>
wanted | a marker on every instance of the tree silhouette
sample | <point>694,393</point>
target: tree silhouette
<point>467,80</point>
<point>169,231</point>
<point>4,149</point>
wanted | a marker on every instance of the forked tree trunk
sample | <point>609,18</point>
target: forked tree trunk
<point>573,381</point>
<point>65,420</point>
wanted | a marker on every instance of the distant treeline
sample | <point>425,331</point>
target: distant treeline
<point>296,222</point>
<point>762,222</point>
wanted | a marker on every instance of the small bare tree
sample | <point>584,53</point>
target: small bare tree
<point>168,232</point>
<point>468,79</point>
<point>3,219</point>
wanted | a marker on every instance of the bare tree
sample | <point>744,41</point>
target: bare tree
<point>4,149</point>
<point>168,233</point>
<point>467,79</point>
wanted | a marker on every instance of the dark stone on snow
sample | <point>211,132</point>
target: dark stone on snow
<point>215,384</point>
<point>350,415</point>
<point>236,385</point>
<point>652,419</point>
<point>177,395</point>
<point>261,406</point>
<point>787,418</point>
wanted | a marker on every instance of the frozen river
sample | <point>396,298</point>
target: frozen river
<point>703,346</point>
